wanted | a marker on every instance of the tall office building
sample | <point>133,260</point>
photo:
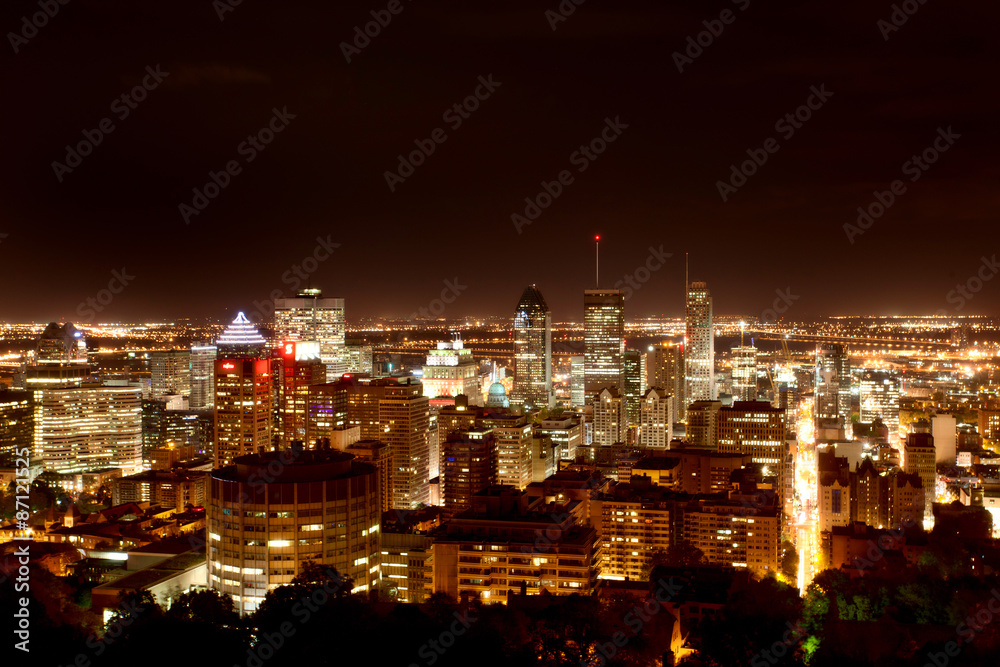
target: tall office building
<point>300,369</point>
<point>879,397</point>
<point>311,316</point>
<point>452,370</point>
<point>17,422</point>
<point>468,465</point>
<point>577,394</point>
<point>610,422</point>
<point>758,429</point>
<point>655,419</point>
<point>699,348</point>
<point>244,386</point>
<point>744,360</point>
<point>918,459</point>
<point>833,385</point>
<point>703,423</point>
<point>86,427</point>
<point>359,359</point>
<point>202,376</point>
<point>170,373</point>
<point>633,383</point>
<point>603,340</point>
<point>270,513</point>
<point>665,369</point>
<point>532,351</point>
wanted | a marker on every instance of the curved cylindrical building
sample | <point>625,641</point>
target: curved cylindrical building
<point>271,512</point>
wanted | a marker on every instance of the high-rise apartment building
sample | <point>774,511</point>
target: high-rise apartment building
<point>655,419</point>
<point>610,423</point>
<point>699,348</point>
<point>311,316</point>
<point>270,513</point>
<point>513,437</point>
<point>879,398</point>
<point>86,427</point>
<point>202,376</point>
<point>170,373</point>
<point>744,363</point>
<point>703,424</point>
<point>452,370</point>
<point>17,422</point>
<point>532,351</point>
<point>603,340</point>
<point>833,385</point>
<point>758,429</point>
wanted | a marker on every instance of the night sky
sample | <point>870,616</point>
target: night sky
<point>323,175</point>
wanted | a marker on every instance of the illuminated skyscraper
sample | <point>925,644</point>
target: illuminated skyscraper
<point>310,316</point>
<point>699,360</point>
<point>576,381</point>
<point>300,370</point>
<point>451,370</point>
<point>833,385</point>
<point>610,421</point>
<point>244,385</point>
<point>603,340</point>
<point>170,373</point>
<point>633,381</point>
<point>202,377</point>
<point>655,419</point>
<point>532,351</point>
<point>468,465</point>
<point>879,397</point>
<point>665,369</point>
<point>744,373</point>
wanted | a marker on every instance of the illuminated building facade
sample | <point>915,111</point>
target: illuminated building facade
<point>699,348</point>
<point>703,424</point>
<point>270,513</point>
<point>300,369</point>
<point>202,377</point>
<point>919,459</point>
<point>513,437</point>
<point>879,394</point>
<point>311,316</point>
<point>655,419</point>
<point>451,370</point>
<point>629,529</point>
<point>739,532</point>
<point>566,433</point>
<point>577,395</point>
<point>833,385</point>
<point>758,429</point>
<point>468,465</point>
<point>89,427</point>
<point>603,340</point>
<point>665,369</point>
<point>493,548</point>
<point>244,385</point>
<point>744,359</point>
<point>170,373</point>
<point>532,351</point>
<point>17,422</point>
<point>610,425</point>
<point>633,383</point>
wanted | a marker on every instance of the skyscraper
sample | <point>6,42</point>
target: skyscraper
<point>603,340</point>
<point>833,385</point>
<point>610,422</point>
<point>202,376</point>
<point>577,394</point>
<point>744,360</point>
<point>300,370</point>
<point>243,393</point>
<point>665,369</point>
<point>655,419</point>
<point>633,381</point>
<point>468,465</point>
<point>699,348</point>
<point>532,351</point>
<point>170,373</point>
<point>311,316</point>
<point>879,397</point>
